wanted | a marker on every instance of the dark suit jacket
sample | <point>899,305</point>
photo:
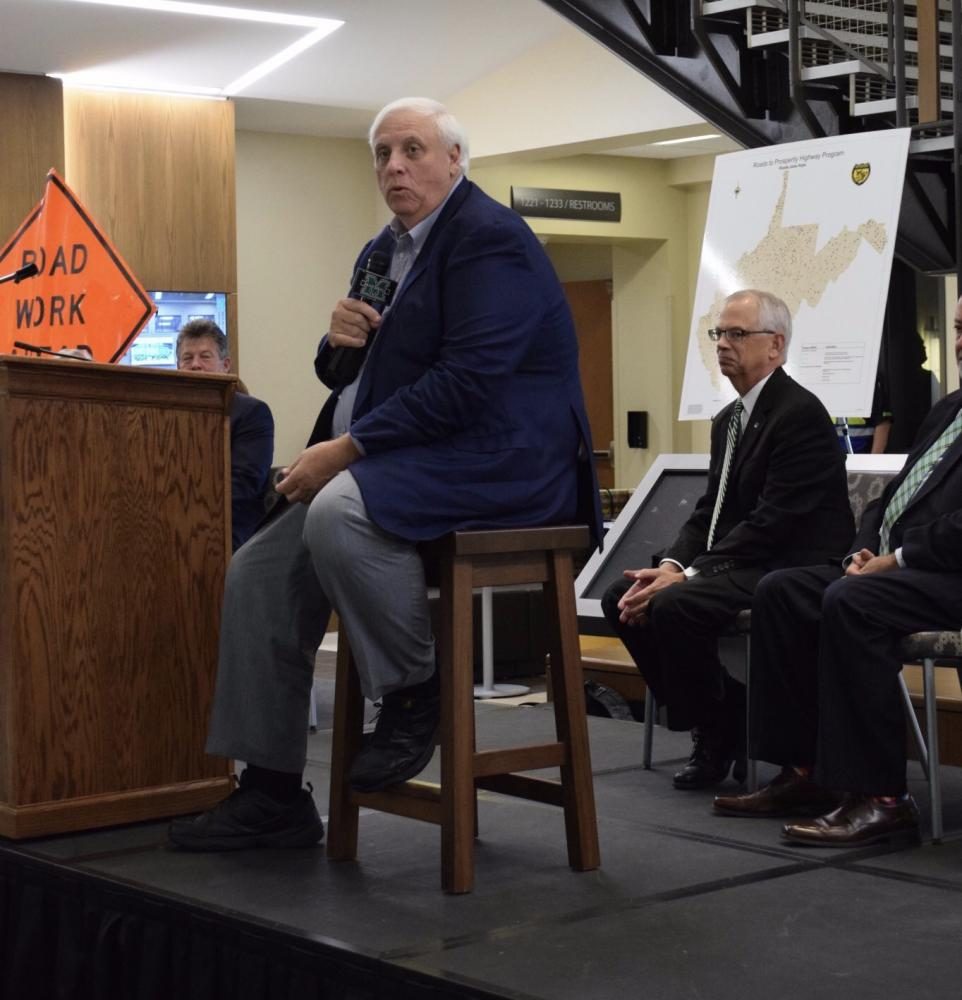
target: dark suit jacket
<point>930,529</point>
<point>787,499</point>
<point>470,409</point>
<point>251,454</point>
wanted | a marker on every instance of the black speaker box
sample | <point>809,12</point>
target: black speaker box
<point>637,428</point>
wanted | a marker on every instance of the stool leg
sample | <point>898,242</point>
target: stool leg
<point>458,795</point>
<point>581,825</point>
<point>345,743</point>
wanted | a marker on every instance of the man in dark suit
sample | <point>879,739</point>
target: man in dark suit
<point>776,494</point>
<point>202,347</point>
<point>467,413</point>
<point>825,700</point>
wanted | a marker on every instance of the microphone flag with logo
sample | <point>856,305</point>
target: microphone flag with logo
<point>372,285</point>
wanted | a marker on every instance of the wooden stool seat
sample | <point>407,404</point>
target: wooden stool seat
<point>467,560</point>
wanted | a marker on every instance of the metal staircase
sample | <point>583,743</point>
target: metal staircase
<point>773,71</point>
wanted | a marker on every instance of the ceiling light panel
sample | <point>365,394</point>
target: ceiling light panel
<point>218,11</point>
<point>167,45</point>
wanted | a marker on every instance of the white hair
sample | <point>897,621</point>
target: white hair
<point>773,314</point>
<point>449,128</point>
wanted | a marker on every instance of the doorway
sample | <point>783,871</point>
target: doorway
<point>590,303</point>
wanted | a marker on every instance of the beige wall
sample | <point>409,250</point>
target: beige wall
<point>580,261</point>
<point>567,93</point>
<point>305,207</point>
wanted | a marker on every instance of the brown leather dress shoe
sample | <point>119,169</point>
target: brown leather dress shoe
<point>789,794</point>
<point>858,821</point>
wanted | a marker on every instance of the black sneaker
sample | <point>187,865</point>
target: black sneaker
<point>249,818</point>
<point>401,745</point>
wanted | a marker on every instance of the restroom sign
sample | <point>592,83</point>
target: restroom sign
<point>83,292</point>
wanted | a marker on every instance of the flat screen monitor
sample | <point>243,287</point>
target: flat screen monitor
<point>155,345</point>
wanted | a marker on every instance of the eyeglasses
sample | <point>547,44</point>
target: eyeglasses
<point>735,333</point>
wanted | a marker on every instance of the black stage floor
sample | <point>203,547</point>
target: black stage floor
<point>685,905</point>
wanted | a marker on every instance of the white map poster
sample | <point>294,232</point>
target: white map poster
<point>813,222</point>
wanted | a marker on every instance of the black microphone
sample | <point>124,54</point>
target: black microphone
<point>371,285</point>
<point>27,271</point>
<point>46,350</point>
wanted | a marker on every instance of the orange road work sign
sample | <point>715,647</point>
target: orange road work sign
<point>83,293</point>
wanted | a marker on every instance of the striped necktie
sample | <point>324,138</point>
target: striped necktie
<point>734,432</point>
<point>914,479</point>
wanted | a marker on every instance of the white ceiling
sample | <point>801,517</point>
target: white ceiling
<point>385,48</point>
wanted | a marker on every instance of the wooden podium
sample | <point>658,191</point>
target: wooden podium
<point>114,539</point>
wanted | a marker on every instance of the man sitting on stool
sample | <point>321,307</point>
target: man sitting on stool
<point>777,494</point>
<point>825,699</point>
<point>466,414</point>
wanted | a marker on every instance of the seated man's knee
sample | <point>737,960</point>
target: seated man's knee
<point>667,608</point>
<point>241,570</point>
<point>330,518</point>
<point>840,597</point>
<point>609,602</point>
<point>771,589</point>
<point>322,525</point>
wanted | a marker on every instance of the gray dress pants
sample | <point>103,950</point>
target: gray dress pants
<point>280,589</point>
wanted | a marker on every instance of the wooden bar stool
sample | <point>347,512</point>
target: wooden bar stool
<point>466,560</point>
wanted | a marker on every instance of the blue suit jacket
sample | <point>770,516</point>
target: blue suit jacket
<point>470,408</point>
<point>251,454</point>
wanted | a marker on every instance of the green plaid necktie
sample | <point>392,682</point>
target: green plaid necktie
<point>914,479</point>
<point>734,432</point>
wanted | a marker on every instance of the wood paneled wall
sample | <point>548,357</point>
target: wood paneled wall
<point>158,174</point>
<point>31,133</point>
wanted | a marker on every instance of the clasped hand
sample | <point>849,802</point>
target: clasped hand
<point>351,323</point>
<point>865,561</point>
<point>634,604</point>
<point>315,467</point>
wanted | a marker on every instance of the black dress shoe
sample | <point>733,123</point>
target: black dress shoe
<point>710,760</point>
<point>401,745</point>
<point>858,821</point>
<point>249,818</point>
<point>789,794</point>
